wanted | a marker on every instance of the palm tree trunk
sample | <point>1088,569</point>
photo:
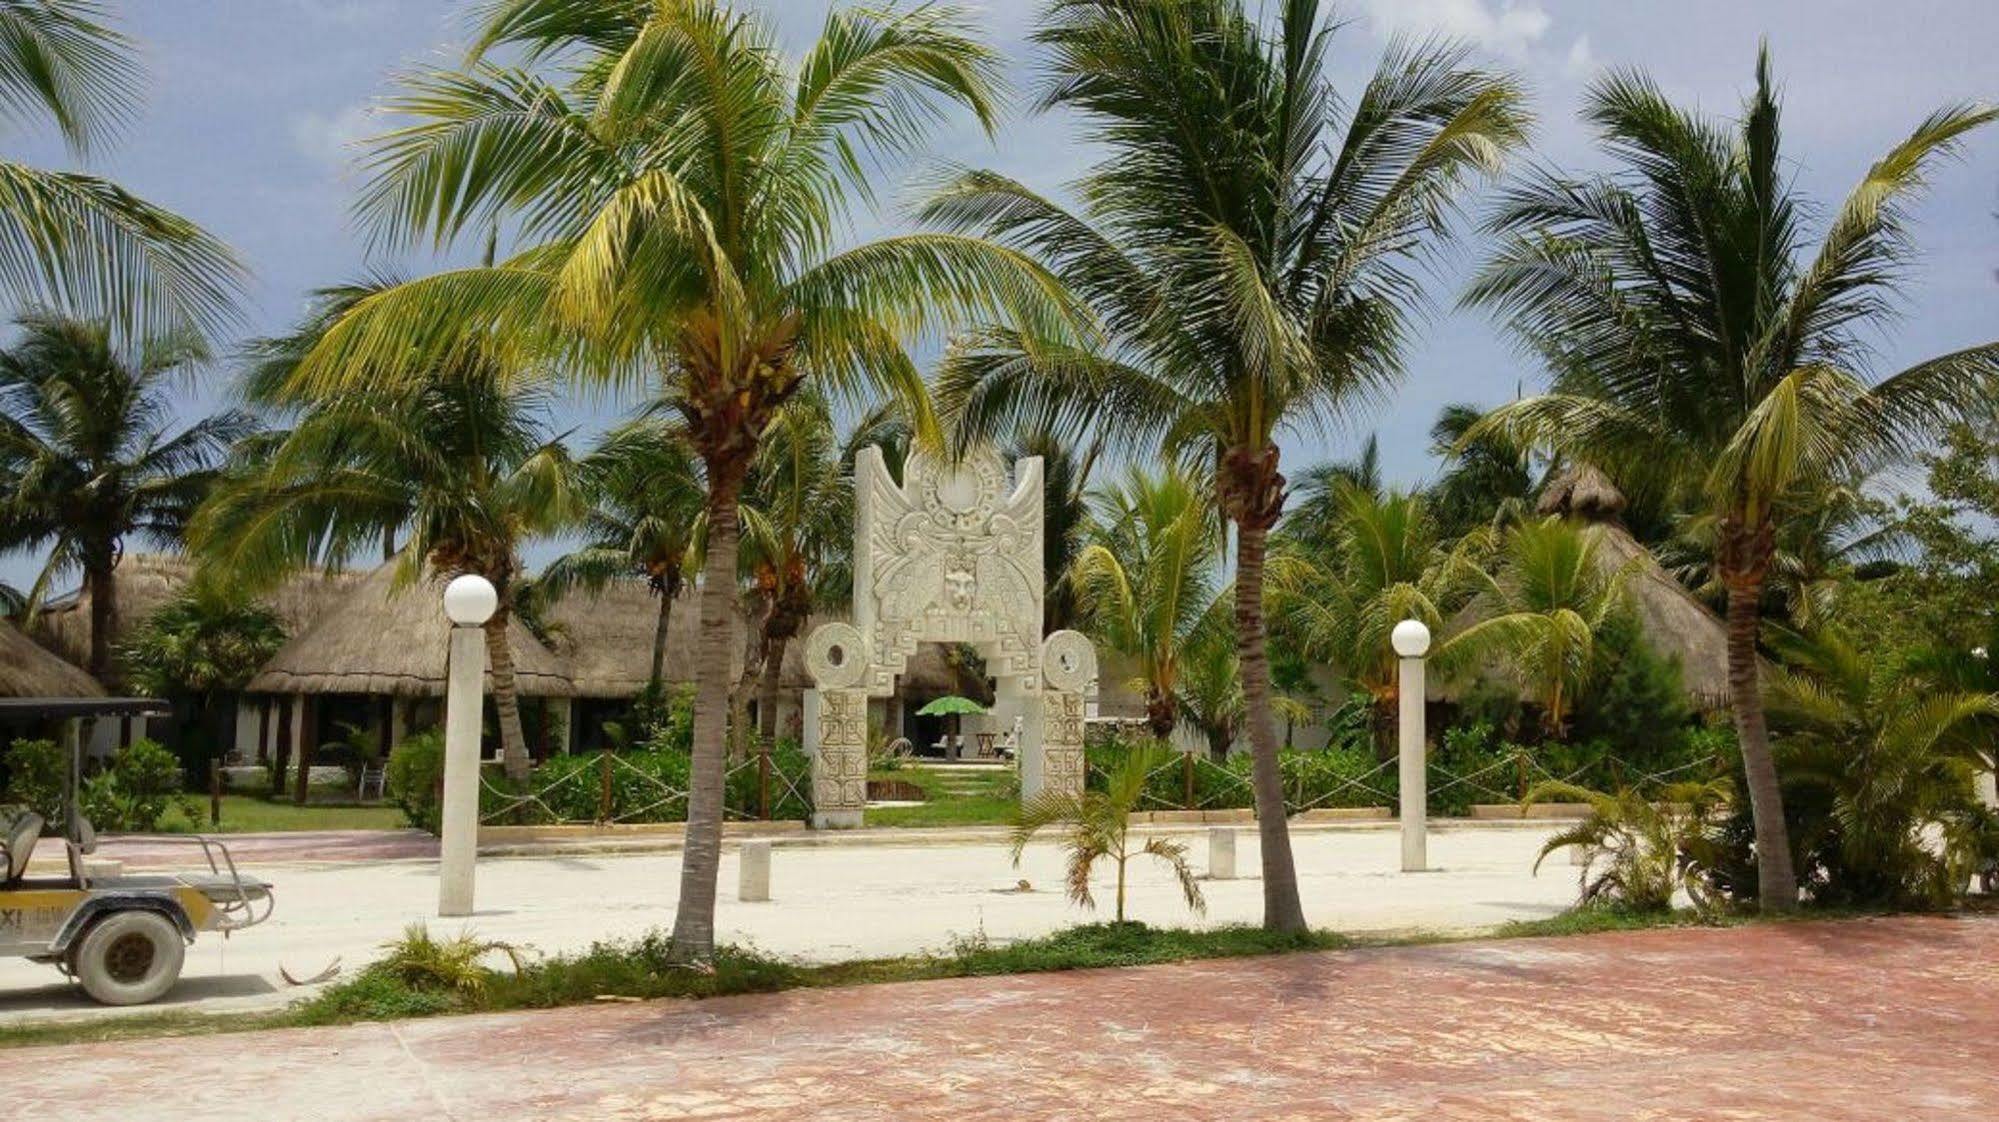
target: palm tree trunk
<point>1776,883</point>
<point>103,587</point>
<point>767,693</point>
<point>659,633</point>
<point>1282,910</point>
<point>701,858</point>
<point>506,698</point>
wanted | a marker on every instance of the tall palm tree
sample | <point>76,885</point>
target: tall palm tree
<point>1248,246</point>
<point>1693,328</point>
<point>797,511</point>
<point>644,495</point>
<point>90,455</point>
<point>1148,578</point>
<point>77,243</point>
<point>680,188</point>
<point>459,461</point>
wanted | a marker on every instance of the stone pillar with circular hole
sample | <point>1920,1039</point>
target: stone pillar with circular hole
<point>1068,670</point>
<point>836,725</point>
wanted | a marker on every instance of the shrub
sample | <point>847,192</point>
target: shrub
<point>663,717</point>
<point>35,779</point>
<point>416,767</point>
<point>132,794</point>
<point>1639,850</point>
<point>1639,704</point>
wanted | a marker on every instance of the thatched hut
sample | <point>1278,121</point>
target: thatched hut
<point>375,663</point>
<point>26,670</point>
<point>148,582</point>
<point>1674,623</point>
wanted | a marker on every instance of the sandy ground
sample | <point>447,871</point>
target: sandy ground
<point>829,903</point>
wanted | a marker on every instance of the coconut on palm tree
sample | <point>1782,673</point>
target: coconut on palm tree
<point>1148,578</point>
<point>681,192</point>
<point>76,243</point>
<point>1697,330</point>
<point>91,455</point>
<point>1248,244</point>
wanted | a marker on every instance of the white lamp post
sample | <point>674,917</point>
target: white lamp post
<point>1412,641</point>
<point>469,601</point>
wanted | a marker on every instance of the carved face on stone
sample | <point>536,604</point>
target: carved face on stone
<point>959,588</point>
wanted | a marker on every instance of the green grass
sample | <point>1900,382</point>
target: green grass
<point>992,803</point>
<point>254,814</point>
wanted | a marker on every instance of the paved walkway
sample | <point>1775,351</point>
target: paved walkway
<point>1891,1019</point>
<point>834,902</point>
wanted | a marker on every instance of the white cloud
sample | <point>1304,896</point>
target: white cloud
<point>1504,28</point>
<point>330,138</point>
<point>1581,62</point>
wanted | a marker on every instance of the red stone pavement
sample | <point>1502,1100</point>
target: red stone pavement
<point>1884,1019</point>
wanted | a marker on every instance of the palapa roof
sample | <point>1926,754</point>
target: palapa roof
<point>148,582</point>
<point>607,636</point>
<point>26,670</point>
<point>1673,622</point>
<point>379,639</point>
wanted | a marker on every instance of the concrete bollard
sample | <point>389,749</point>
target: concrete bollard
<point>753,872</point>
<point>1411,641</point>
<point>1221,853</point>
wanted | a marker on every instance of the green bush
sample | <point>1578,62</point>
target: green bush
<point>1640,703</point>
<point>647,785</point>
<point>35,779</point>
<point>662,717</point>
<point>132,794</point>
<point>1336,776</point>
<point>416,767</point>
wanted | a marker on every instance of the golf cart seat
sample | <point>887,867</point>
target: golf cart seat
<point>20,828</point>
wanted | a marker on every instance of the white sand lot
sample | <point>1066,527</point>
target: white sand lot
<point>828,903</point>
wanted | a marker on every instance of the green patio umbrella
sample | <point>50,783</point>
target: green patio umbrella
<point>954,707</point>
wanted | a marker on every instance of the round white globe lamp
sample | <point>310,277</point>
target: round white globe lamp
<point>1410,638</point>
<point>470,600</point>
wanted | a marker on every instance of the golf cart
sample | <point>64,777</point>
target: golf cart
<point>123,938</point>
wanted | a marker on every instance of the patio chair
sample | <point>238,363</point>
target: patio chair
<point>374,777</point>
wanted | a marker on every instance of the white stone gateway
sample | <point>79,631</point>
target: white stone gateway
<point>951,555</point>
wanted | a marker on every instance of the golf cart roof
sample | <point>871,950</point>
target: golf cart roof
<point>59,708</point>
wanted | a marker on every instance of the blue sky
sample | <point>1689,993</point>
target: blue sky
<point>254,106</point>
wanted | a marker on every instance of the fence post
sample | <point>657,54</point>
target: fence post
<point>763,778</point>
<point>604,786</point>
<point>469,601</point>
<point>1412,641</point>
<point>1187,770</point>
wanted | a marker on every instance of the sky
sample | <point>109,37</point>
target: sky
<point>254,108</point>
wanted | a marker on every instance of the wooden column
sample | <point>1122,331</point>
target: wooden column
<point>285,739</point>
<point>263,730</point>
<point>308,709</point>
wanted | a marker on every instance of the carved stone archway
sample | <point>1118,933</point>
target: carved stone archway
<point>952,554</point>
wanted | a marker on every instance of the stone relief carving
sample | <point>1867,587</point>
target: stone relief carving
<point>840,767</point>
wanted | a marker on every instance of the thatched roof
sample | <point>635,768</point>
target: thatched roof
<point>1582,491</point>
<point>382,640</point>
<point>607,638</point>
<point>26,670</point>
<point>1673,622</point>
<point>148,582</point>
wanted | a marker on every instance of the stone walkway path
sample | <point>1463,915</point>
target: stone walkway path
<point>1887,1019</point>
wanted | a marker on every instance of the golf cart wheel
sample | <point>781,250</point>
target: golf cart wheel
<point>130,958</point>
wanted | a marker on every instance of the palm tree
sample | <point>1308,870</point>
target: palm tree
<point>459,461</point>
<point>797,511</point>
<point>644,495</point>
<point>1693,331</point>
<point>1349,565</point>
<point>680,189</point>
<point>1097,826</point>
<point>90,457</point>
<point>1889,759</point>
<point>77,243</point>
<point>1148,578</point>
<point>1544,611</point>
<point>1208,687</point>
<point>1247,244</point>
<point>1488,481</point>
